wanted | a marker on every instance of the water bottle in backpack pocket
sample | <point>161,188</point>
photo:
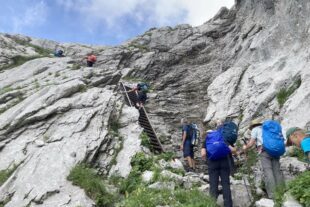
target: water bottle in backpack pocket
<point>215,146</point>
<point>273,141</point>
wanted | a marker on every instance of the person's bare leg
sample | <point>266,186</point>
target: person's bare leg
<point>189,160</point>
<point>193,163</point>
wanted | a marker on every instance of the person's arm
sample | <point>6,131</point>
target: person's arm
<point>203,148</point>
<point>183,139</point>
<point>249,144</point>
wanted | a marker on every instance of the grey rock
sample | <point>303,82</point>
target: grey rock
<point>290,201</point>
<point>162,185</point>
<point>264,202</point>
<point>147,176</point>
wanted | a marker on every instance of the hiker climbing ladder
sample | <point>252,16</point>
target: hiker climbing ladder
<point>131,99</point>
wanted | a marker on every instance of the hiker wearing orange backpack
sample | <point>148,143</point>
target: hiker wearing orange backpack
<point>91,59</point>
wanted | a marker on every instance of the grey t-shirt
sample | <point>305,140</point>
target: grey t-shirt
<point>257,134</point>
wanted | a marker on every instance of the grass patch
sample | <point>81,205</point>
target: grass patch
<point>40,50</point>
<point>5,174</point>
<point>143,48</point>
<point>284,93</point>
<point>17,61</point>
<point>152,198</point>
<point>298,188</point>
<point>87,179</point>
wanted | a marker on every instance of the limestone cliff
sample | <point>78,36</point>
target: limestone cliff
<point>55,112</point>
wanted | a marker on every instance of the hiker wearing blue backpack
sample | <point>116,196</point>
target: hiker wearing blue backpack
<point>299,138</point>
<point>219,159</point>
<point>141,90</point>
<point>187,146</point>
<point>269,141</point>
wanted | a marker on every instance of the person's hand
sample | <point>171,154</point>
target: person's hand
<point>181,147</point>
<point>244,148</point>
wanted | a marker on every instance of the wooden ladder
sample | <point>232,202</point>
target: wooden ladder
<point>131,99</point>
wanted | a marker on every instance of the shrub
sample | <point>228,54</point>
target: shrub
<point>6,89</point>
<point>284,93</point>
<point>86,178</point>
<point>167,156</point>
<point>298,188</point>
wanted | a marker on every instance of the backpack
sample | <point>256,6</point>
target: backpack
<point>92,58</point>
<point>144,87</point>
<point>273,141</point>
<point>230,132</point>
<point>215,146</point>
<point>194,133</point>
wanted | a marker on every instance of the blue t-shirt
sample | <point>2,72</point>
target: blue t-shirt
<point>305,145</point>
<point>186,128</point>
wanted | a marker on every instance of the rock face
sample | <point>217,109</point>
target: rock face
<point>55,112</point>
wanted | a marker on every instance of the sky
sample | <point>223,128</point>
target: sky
<point>101,22</point>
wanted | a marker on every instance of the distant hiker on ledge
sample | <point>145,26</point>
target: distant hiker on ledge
<point>90,59</point>
<point>59,53</point>
<point>141,90</point>
<point>298,137</point>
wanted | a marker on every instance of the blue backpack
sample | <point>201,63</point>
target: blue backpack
<point>230,132</point>
<point>194,133</point>
<point>144,87</point>
<point>273,141</point>
<point>215,146</point>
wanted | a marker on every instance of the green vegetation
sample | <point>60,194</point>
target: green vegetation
<point>17,61</point>
<point>298,188</point>
<point>5,174</point>
<point>57,74</point>
<point>284,94</point>
<point>145,140</point>
<point>180,197</point>
<point>6,89</point>
<point>143,48</point>
<point>247,170</point>
<point>19,99</point>
<point>40,50</point>
<point>3,203</point>
<point>76,66</point>
<point>167,156</point>
<point>93,185</point>
<point>297,152</point>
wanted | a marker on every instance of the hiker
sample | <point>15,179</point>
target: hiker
<point>187,147</point>
<point>299,138</point>
<point>91,59</point>
<point>218,154</point>
<point>141,90</point>
<point>270,163</point>
<point>59,53</point>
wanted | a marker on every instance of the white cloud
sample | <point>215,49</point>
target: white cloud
<point>33,15</point>
<point>155,12</point>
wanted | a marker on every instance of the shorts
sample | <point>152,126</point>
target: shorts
<point>89,64</point>
<point>142,97</point>
<point>188,149</point>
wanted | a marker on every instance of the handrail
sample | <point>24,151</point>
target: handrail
<point>124,89</point>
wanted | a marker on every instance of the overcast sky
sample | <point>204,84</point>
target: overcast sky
<point>104,22</point>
